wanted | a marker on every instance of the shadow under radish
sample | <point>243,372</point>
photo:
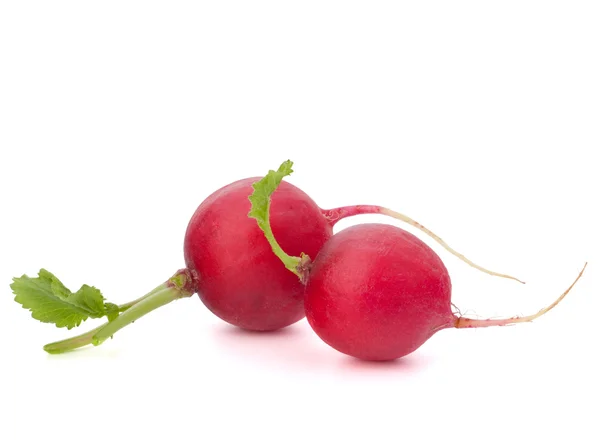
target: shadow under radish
<point>294,347</point>
<point>297,348</point>
<point>414,362</point>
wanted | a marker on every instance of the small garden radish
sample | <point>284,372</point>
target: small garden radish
<point>235,272</point>
<point>374,291</point>
<point>229,264</point>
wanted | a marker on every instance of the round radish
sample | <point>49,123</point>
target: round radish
<point>377,292</point>
<point>235,272</point>
<point>229,264</point>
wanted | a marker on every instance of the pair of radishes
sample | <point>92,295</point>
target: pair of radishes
<point>372,291</point>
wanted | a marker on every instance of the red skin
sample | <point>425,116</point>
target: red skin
<point>237,275</point>
<point>377,292</point>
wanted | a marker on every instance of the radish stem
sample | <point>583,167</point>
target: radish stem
<point>178,286</point>
<point>72,343</point>
<point>153,302</point>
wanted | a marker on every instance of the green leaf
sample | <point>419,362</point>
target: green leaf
<point>50,301</point>
<point>261,203</point>
<point>111,310</point>
<point>263,189</point>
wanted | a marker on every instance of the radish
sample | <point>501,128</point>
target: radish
<point>374,291</point>
<point>235,272</point>
<point>229,264</point>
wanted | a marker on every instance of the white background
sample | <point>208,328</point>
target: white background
<point>479,119</point>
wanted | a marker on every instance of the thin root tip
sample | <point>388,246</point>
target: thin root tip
<point>581,272</point>
<point>510,277</point>
<point>462,322</point>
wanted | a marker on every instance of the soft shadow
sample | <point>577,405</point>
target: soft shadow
<point>298,348</point>
<point>239,333</point>
<point>412,363</point>
<point>293,347</point>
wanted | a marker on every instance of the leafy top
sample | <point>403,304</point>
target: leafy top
<point>263,189</point>
<point>261,203</point>
<point>50,301</point>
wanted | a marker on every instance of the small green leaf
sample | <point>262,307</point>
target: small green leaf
<point>56,286</point>
<point>50,301</point>
<point>111,310</point>
<point>261,203</point>
<point>88,299</point>
<point>263,189</point>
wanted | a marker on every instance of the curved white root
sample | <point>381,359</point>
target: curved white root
<point>462,322</point>
<point>417,225</point>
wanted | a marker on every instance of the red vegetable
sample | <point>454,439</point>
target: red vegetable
<point>235,272</point>
<point>377,292</point>
<point>228,263</point>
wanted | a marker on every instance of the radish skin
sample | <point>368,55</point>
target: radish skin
<point>377,292</point>
<point>236,274</point>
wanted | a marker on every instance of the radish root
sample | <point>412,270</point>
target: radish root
<point>462,322</point>
<point>335,215</point>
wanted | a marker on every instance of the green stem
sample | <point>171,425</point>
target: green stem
<point>72,343</point>
<point>135,312</point>
<point>130,304</point>
<point>291,263</point>
<point>86,338</point>
<point>260,201</point>
<point>178,286</point>
<point>299,266</point>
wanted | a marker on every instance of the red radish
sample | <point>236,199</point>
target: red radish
<point>229,264</point>
<point>377,292</point>
<point>236,274</point>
